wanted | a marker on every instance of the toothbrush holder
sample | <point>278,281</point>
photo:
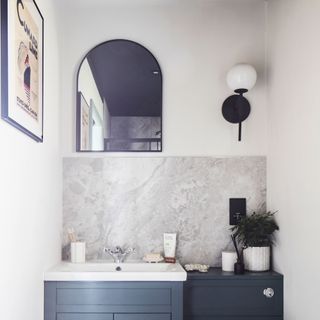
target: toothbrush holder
<point>78,252</point>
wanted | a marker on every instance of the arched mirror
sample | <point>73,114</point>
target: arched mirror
<point>119,99</point>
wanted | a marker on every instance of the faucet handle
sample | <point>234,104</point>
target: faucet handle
<point>116,249</point>
<point>130,250</point>
<point>107,250</point>
<point>118,254</point>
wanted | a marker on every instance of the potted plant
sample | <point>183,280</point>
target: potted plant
<point>255,233</point>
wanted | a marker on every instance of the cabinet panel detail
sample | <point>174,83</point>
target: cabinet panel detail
<point>84,316</point>
<point>114,296</point>
<point>142,316</point>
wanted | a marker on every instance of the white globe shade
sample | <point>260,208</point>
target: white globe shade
<point>242,76</point>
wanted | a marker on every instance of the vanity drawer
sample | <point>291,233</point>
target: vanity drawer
<point>233,298</point>
<point>114,296</point>
<point>84,316</point>
<point>142,316</point>
<point>113,300</point>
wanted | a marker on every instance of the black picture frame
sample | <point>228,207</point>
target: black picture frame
<point>16,110</point>
<point>81,105</point>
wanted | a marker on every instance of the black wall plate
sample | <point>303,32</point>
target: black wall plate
<point>237,209</point>
<point>236,108</point>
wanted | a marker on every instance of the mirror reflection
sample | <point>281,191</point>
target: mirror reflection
<point>119,99</point>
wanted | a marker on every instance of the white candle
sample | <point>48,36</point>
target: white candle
<point>229,258</point>
<point>78,252</point>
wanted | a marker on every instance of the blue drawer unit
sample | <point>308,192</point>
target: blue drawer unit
<point>218,295</point>
<point>113,300</point>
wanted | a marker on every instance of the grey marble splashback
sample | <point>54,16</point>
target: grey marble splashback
<point>133,201</point>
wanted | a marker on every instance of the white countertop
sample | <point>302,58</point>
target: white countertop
<point>107,271</point>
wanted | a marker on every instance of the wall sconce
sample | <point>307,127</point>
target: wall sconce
<point>235,109</point>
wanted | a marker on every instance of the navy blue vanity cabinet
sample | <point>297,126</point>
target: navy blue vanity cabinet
<point>113,300</point>
<point>219,295</point>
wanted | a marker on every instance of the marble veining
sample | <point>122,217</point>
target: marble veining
<point>133,201</point>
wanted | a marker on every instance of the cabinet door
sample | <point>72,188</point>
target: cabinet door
<point>142,316</point>
<point>231,318</point>
<point>84,316</point>
<point>232,298</point>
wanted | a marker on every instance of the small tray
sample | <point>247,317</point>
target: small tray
<point>197,267</point>
<point>160,259</point>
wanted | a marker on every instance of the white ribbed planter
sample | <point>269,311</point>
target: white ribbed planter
<point>256,258</point>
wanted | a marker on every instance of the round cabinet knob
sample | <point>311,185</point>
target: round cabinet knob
<point>269,292</point>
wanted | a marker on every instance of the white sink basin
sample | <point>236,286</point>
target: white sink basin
<point>107,271</point>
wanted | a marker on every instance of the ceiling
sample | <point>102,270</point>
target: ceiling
<point>128,77</point>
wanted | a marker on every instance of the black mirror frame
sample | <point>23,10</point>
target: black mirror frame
<point>78,97</point>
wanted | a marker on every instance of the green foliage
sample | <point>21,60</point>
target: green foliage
<point>256,230</point>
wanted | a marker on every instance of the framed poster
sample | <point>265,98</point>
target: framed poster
<point>22,66</point>
<point>84,132</point>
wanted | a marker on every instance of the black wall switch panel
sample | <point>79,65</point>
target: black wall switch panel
<point>238,209</point>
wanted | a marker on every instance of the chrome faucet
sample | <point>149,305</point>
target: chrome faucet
<point>119,254</point>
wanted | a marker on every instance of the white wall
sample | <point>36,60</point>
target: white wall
<point>195,42</point>
<point>294,149</point>
<point>88,87</point>
<point>30,189</point>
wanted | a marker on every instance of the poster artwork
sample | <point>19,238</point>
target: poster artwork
<point>85,123</point>
<point>27,76</point>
